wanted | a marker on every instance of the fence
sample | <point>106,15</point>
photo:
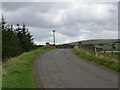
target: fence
<point>100,51</point>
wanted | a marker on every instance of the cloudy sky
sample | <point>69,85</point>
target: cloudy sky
<point>73,21</point>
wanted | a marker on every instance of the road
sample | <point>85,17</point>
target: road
<point>61,68</point>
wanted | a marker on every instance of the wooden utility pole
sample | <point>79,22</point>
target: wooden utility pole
<point>54,36</point>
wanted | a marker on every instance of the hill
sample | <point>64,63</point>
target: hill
<point>95,41</point>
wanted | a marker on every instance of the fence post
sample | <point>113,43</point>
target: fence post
<point>95,51</point>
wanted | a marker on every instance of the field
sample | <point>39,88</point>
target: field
<point>115,46</point>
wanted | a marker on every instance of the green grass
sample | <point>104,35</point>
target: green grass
<point>114,56</point>
<point>18,73</point>
<point>96,59</point>
<point>117,47</point>
<point>105,47</point>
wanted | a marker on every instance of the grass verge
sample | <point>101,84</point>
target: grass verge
<point>96,59</point>
<point>17,72</point>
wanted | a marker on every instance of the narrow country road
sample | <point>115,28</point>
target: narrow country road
<point>61,68</point>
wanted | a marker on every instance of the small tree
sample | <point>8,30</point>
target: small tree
<point>10,42</point>
<point>25,38</point>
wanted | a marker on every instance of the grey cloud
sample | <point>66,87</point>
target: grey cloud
<point>88,17</point>
<point>12,6</point>
<point>72,21</point>
<point>34,15</point>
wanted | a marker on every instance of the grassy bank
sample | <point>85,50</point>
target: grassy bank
<point>17,72</point>
<point>96,59</point>
<point>114,56</point>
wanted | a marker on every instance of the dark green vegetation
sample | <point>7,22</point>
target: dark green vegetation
<point>17,72</point>
<point>96,59</point>
<point>15,40</point>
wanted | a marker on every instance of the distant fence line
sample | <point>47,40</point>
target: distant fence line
<point>91,48</point>
<point>110,51</point>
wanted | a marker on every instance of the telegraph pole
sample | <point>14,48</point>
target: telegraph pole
<point>54,36</point>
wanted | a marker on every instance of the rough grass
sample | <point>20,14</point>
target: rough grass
<point>0,74</point>
<point>17,72</point>
<point>114,56</point>
<point>96,59</point>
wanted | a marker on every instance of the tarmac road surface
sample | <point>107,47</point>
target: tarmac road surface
<point>61,68</point>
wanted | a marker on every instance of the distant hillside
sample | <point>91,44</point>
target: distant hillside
<point>96,41</point>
